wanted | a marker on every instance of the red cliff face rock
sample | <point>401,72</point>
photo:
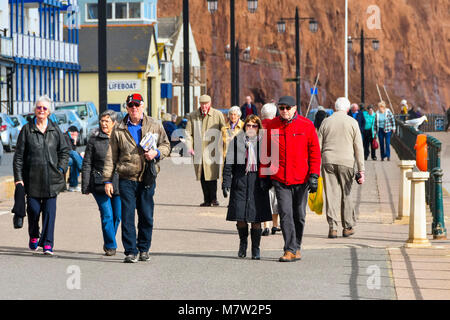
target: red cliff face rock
<point>412,62</point>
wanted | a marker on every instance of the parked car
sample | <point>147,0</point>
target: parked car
<point>87,113</point>
<point>68,118</point>
<point>1,151</point>
<point>19,121</point>
<point>8,133</point>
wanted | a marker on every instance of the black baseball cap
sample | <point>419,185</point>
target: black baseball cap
<point>288,101</point>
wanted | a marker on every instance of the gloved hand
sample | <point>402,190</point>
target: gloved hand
<point>265,184</point>
<point>225,191</point>
<point>313,182</point>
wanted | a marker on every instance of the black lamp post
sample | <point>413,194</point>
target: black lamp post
<point>252,6</point>
<point>313,26</point>
<point>375,46</point>
<point>246,56</point>
<point>102,62</point>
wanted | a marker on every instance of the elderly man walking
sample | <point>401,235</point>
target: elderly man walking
<point>204,142</point>
<point>294,168</point>
<point>131,162</point>
<point>342,148</point>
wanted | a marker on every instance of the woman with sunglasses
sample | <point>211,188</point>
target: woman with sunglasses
<point>41,157</point>
<point>249,203</point>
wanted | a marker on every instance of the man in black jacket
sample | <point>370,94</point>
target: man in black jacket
<point>75,160</point>
<point>248,108</point>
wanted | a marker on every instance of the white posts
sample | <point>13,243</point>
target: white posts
<point>404,200</point>
<point>417,223</point>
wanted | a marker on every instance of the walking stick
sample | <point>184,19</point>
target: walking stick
<point>314,90</point>
<point>385,91</point>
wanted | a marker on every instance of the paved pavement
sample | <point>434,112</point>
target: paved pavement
<point>194,250</point>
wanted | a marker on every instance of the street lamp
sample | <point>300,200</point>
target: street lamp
<point>252,6</point>
<point>375,46</point>
<point>313,27</point>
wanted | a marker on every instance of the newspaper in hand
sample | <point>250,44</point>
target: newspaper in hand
<point>148,142</point>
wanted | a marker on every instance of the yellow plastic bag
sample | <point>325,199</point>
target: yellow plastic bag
<point>315,200</point>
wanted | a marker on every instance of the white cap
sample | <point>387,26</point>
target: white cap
<point>403,102</point>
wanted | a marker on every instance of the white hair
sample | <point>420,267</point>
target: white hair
<point>342,104</point>
<point>44,98</point>
<point>268,111</point>
<point>235,109</point>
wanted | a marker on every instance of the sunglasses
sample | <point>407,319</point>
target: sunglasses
<point>133,104</point>
<point>41,108</point>
<point>287,108</point>
<point>252,126</point>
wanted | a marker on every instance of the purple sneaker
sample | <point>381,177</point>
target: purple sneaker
<point>33,244</point>
<point>48,250</point>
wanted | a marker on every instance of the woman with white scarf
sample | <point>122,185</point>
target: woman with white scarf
<point>249,203</point>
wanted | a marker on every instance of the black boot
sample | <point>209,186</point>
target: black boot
<point>256,240</point>
<point>243,235</point>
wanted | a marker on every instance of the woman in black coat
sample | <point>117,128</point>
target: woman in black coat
<point>249,203</point>
<point>39,164</point>
<point>92,181</point>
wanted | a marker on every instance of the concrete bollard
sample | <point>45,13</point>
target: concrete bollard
<point>417,222</point>
<point>405,191</point>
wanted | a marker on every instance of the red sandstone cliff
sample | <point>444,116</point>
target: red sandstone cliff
<point>413,59</point>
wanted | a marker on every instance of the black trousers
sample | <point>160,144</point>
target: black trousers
<point>209,189</point>
<point>292,202</point>
<point>367,142</point>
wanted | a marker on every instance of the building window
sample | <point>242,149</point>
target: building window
<point>134,10</point>
<point>92,11</point>
<point>121,10</point>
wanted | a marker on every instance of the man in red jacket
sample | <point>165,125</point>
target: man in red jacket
<point>293,168</point>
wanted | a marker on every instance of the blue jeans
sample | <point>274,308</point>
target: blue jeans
<point>385,143</point>
<point>110,213</point>
<point>48,208</point>
<point>75,164</point>
<point>135,196</point>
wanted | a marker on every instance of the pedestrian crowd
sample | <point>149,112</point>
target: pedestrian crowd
<point>267,165</point>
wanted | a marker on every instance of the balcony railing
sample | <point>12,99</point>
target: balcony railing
<point>197,76</point>
<point>33,47</point>
<point>6,47</point>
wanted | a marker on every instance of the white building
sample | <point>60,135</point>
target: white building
<point>170,40</point>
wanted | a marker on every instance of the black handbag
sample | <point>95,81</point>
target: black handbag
<point>98,184</point>
<point>150,174</point>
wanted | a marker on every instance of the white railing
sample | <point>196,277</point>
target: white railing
<point>6,46</point>
<point>32,47</point>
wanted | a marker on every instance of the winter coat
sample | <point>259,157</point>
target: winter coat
<point>126,157</point>
<point>360,118</point>
<point>297,153</point>
<point>228,134</point>
<point>244,111</point>
<point>94,161</point>
<point>40,160</point>
<point>318,119</point>
<point>248,202</point>
<point>207,130</point>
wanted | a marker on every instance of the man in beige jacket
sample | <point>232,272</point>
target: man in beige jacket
<point>204,143</point>
<point>129,160</point>
<point>342,148</point>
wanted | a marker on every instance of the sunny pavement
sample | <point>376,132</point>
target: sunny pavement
<point>193,254</point>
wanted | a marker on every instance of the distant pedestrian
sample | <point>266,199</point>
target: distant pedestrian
<point>92,181</point>
<point>293,173</point>
<point>75,158</point>
<point>342,148</point>
<point>232,127</point>
<point>248,108</point>
<point>39,162</point>
<point>249,203</point>
<point>137,169</point>
<point>321,114</point>
<point>384,127</point>
<point>412,114</point>
<point>206,151</point>
<point>369,133</point>
<point>358,116</point>
<point>170,127</point>
<point>403,110</point>
<point>268,112</point>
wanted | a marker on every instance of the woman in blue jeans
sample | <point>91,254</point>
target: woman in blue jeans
<point>384,127</point>
<point>92,181</point>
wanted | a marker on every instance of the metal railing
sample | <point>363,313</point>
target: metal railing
<point>34,47</point>
<point>6,46</point>
<point>436,122</point>
<point>403,141</point>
